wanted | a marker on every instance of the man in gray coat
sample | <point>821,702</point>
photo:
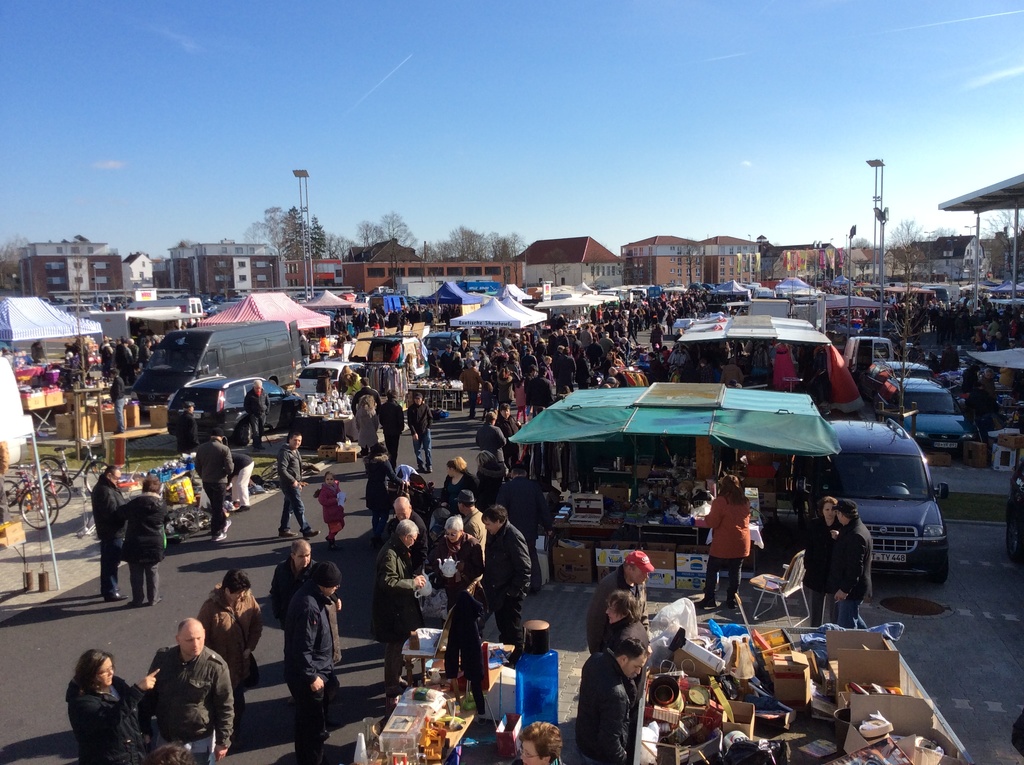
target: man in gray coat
<point>631,576</point>
<point>214,465</point>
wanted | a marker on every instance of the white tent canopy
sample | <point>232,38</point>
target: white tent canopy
<point>494,314</point>
<point>794,286</point>
<point>565,303</point>
<point>585,288</point>
<point>536,316</point>
<point>31,318</point>
<point>842,302</point>
<point>329,300</point>
<point>512,291</point>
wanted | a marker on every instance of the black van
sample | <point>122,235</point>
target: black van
<point>267,349</point>
<point>882,469</point>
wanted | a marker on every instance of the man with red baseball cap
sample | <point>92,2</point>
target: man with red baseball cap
<point>630,576</point>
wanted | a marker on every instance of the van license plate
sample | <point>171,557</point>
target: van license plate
<point>883,557</point>
<point>945,445</point>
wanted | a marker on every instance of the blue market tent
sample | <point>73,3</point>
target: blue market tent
<point>31,318</point>
<point>451,294</point>
<point>769,421</point>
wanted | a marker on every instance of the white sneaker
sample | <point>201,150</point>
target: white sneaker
<point>227,525</point>
<point>221,537</point>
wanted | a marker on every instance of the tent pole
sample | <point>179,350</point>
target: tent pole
<point>46,510</point>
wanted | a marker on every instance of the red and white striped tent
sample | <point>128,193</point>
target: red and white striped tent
<point>269,306</point>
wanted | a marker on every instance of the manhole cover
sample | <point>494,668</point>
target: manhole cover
<point>913,606</point>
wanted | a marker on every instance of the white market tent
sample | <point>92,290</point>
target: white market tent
<point>732,288</point>
<point>529,313</point>
<point>18,427</point>
<point>1012,358</point>
<point>791,331</point>
<point>494,314</point>
<point>31,318</point>
<point>513,291</point>
<point>585,288</point>
<point>565,303</point>
<point>841,303</point>
<point>794,286</point>
<point>329,300</point>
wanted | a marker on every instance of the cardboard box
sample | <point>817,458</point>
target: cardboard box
<point>742,719</point>
<point>326,452</point>
<point>507,734</point>
<point>1011,441</point>
<point>158,417</point>
<point>132,418</point>
<point>662,579</point>
<point>710,751</point>
<point>909,716</point>
<point>65,425</point>
<point>691,564</point>
<point>1004,459</point>
<point>975,454</point>
<point>613,554</point>
<point>618,494</point>
<point>55,398</point>
<point>12,533</point>
<point>863,658</point>
<point>573,565</point>
<point>345,454</point>
<point>644,465</point>
<point>940,459</point>
<point>792,673</point>
<point>500,698</point>
<point>691,582</point>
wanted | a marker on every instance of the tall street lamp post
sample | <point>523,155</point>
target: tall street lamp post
<point>879,167</point>
<point>307,255</point>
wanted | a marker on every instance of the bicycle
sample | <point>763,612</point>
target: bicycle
<point>91,470</point>
<point>25,493</point>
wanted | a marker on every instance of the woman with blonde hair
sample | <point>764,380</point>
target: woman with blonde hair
<point>349,382</point>
<point>459,479</point>
<point>367,424</point>
<point>730,543</point>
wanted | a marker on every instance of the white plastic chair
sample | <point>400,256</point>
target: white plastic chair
<point>791,582</point>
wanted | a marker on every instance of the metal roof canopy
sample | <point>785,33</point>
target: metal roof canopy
<point>1007,195</point>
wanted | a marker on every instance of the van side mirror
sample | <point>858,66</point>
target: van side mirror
<point>942,490</point>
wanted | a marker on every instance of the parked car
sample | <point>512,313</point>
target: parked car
<point>306,383</point>
<point>1015,516</point>
<point>220,403</point>
<point>441,341</point>
<point>881,378</point>
<point>941,424</point>
<point>882,469</point>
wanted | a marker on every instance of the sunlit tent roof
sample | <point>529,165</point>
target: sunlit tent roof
<point>513,291</point>
<point>450,293</point>
<point>793,331</point>
<point>761,420</point>
<point>496,314</point>
<point>31,318</point>
<point>1012,358</point>
<point>1004,195</point>
<point>269,306</point>
<point>329,300</point>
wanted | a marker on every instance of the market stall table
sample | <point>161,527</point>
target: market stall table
<point>317,430</point>
<point>448,397</point>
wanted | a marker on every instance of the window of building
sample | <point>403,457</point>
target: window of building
<point>261,277</point>
<point>222,263</point>
<point>454,270</point>
<point>223,250</point>
<point>260,264</point>
<point>474,271</point>
<point>412,272</point>
<point>99,266</point>
<point>435,270</point>
<point>55,280</point>
<point>55,265</point>
<point>221,278</point>
<point>252,250</point>
<point>89,250</point>
<point>100,280</point>
<point>239,250</point>
<point>60,250</point>
<point>375,272</point>
<point>243,278</point>
<point>492,270</point>
<point>75,250</point>
<point>241,263</point>
<point>396,272</point>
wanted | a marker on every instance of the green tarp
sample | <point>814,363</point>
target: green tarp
<point>785,423</point>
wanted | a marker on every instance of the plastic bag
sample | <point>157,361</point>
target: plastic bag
<point>669,619</point>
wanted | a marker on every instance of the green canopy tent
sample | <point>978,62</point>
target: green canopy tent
<point>759,420</point>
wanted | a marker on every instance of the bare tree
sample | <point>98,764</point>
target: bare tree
<point>269,231</point>
<point>10,254</point>
<point>338,246</point>
<point>468,244</point>
<point>905,259</point>
<point>368,234</point>
<point>393,226</point>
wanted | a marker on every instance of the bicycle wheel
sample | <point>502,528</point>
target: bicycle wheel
<point>11,489</point>
<point>93,472</point>
<point>59,490</point>
<point>52,466</point>
<point>32,512</point>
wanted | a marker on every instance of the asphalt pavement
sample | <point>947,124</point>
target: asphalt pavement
<point>969,657</point>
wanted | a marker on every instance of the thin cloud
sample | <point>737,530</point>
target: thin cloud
<point>725,57</point>
<point>746,163</point>
<point>108,164</point>
<point>952,21</point>
<point>367,94</point>
<point>993,77</point>
<point>187,43</point>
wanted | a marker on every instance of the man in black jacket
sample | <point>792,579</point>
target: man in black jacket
<point>308,660</point>
<point>527,510</point>
<point>213,465</point>
<point>106,498</point>
<point>187,432</point>
<point>420,419</point>
<point>289,576</point>
<point>607,695</point>
<point>257,404</point>
<point>392,422</point>
<point>849,576</point>
<point>118,396</point>
<point>506,577</point>
<point>418,551</point>
<point>538,393</point>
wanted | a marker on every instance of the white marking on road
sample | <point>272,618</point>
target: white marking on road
<point>986,563</point>
<point>994,706</point>
<point>1011,617</point>
<point>964,612</point>
<point>987,615</point>
<point>961,704</point>
<point>965,563</point>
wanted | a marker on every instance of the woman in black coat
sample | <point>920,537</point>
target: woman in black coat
<point>144,541</point>
<point>821,538</point>
<point>378,498</point>
<point>104,712</point>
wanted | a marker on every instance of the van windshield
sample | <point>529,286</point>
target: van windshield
<point>176,357</point>
<point>875,476</point>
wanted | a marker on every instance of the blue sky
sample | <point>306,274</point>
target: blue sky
<point>140,124</point>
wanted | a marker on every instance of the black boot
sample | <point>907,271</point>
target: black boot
<point>708,602</point>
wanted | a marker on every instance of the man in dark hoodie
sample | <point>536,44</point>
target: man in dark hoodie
<point>849,578</point>
<point>420,419</point>
<point>607,695</point>
<point>392,423</point>
<point>106,499</point>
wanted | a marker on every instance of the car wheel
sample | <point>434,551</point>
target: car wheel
<point>241,434</point>
<point>1014,534</point>
<point>940,575</point>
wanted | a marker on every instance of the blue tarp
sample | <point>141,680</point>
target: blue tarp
<point>451,294</point>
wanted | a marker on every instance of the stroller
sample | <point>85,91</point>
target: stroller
<point>420,492</point>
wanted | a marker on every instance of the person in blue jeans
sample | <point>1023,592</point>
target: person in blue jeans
<point>420,419</point>
<point>849,579</point>
<point>289,472</point>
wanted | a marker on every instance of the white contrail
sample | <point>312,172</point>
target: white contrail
<point>367,94</point>
<point>952,21</point>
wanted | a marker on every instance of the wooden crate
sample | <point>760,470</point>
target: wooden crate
<point>158,417</point>
<point>346,454</point>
